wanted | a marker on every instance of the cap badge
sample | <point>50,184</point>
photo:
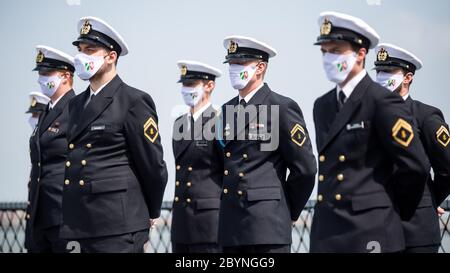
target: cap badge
<point>33,102</point>
<point>382,55</point>
<point>183,70</point>
<point>326,27</point>
<point>86,28</point>
<point>233,47</point>
<point>40,57</point>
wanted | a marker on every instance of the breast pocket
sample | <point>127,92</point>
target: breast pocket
<point>357,138</point>
<point>103,130</point>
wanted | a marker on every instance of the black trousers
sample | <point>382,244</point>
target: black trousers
<point>47,240</point>
<point>124,243</point>
<point>423,249</point>
<point>258,249</point>
<point>196,248</point>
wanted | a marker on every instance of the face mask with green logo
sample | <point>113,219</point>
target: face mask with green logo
<point>87,65</point>
<point>338,67</point>
<point>241,75</point>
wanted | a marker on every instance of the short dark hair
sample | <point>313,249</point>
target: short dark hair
<point>109,51</point>
<point>356,48</point>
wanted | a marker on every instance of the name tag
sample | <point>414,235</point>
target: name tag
<point>256,125</point>
<point>53,130</point>
<point>201,143</point>
<point>98,127</point>
<point>355,126</point>
<point>262,137</point>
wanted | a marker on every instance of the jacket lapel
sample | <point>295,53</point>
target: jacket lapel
<point>182,144</point>
<point>256,100</point>
<point>53,114</point>
<point>326,117</point>
<point>344,115</point>
<point>199,126</point>
<point>96,106</point>
<point>75,110</point>
<point>227,135</point>
<point>36,134</point>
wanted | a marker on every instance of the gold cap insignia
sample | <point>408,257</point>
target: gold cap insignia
<point>151,130</point>
<point>382,55</point>
<point>40,57</point>
<point>183,70</point>
<point>443,136</point>
<point>298,135</point>
<point>326,27</point>
<point>402,132</point>
<point>86,28</point>
<point>233,47</point>
<point>33,102</point>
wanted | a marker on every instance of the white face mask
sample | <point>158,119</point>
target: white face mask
<point>192,95</point>
<point>390,81</point>
<point>49,84</point>
<point>33,121</point>
<point>338,67</point>
<point>87,65</point>
<point>241,75</point>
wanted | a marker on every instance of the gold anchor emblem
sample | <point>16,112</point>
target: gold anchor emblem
<point>382,55</point>
<point>233,47</point>
<point>40,57</point>
<point>86,28</point>
<point>326,27</point>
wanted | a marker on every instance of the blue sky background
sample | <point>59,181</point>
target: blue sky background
<point>161,32</point>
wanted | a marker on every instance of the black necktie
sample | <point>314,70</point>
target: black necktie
<point>342,99</point>
<point>242,104</point>
<point>89,101</point>
<point>192,129</point>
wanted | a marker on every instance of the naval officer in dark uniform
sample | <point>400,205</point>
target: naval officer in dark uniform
<point>48,149</point>
<point>37,106</point>
<point>199,164</point>
<point>264,136</point>
<point>115,174</point>
<point>396,69</point>
<point>362,132</point>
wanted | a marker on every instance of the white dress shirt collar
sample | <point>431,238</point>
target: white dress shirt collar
<point>98,90</point>
<point>351,85</point>
<point>251,94</point>
<point>52,105</point>
<point>199,112</point>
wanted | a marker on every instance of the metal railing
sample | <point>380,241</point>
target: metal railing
<point>12,229</point>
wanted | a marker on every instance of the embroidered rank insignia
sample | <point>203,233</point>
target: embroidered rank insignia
<point>443,136</point>
<point>402,132</point>
<point>298,135</point>
<point>151,129</point>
